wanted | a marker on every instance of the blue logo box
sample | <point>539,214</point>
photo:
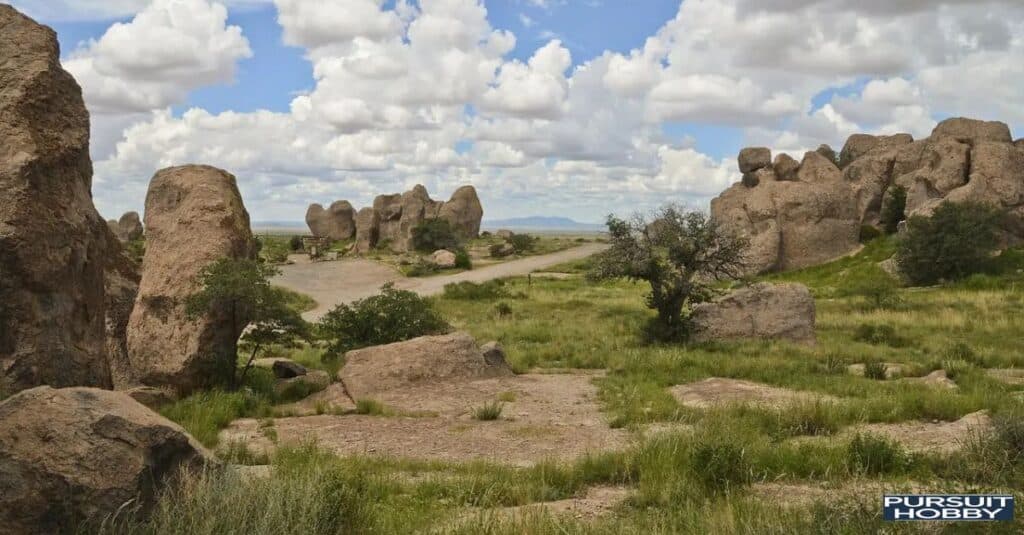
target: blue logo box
<point>948,507</point>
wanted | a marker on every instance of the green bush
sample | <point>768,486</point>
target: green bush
<point>878,290</point>
<point>873,455</point>
<point>879,335</point>
<point>433,234</point>
<point>894,207</point>
<point>295,243</point>
<point>875,370</point>
<point>868,233</point>
<point>503,309</point>
<point>721,466</point>
<point>523,243</point>
<point>391,316</point>
<point>956,241</point>
<point>471,291</point>
<point>462,259</point>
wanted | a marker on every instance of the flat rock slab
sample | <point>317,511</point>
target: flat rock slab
<point>937,378</point>
<point>331,400</point>
<point>717,391</point>
<point>1013,376</point>
<point>553,417</point>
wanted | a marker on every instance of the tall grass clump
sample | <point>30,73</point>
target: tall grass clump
<point>472,291</point>
<point>873,455</point>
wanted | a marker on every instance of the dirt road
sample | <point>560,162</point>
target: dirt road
<point>344,281</point>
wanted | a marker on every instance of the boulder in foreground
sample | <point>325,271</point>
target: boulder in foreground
<point>194,217</point>
<point>761,311</point>
<point>374,370</point>
<point>78,454</point>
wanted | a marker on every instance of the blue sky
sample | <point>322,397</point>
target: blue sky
<point>599,106</point>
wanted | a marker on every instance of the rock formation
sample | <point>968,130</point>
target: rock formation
<point>761,311</point>
<point>121,287</point>
<point>77,455</point>
<point>52,240</point>
<point>443,258</point>
<point>798,215</point>
<point>806,219</point>
<point>337,222</point>
<point>391,219</point>
<point>371,371</point>
<point>128,228</point>
<point>194,216</point>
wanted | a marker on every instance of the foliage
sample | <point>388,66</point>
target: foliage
<point>681,255</point>
<point>488,411</point>
<point>503,309</point>
<point>879,290</point>
<point>473,291</point>
<point>136,249</point>
<point>242,289</point>
<point>956,241</point>
<point>370,407</point>
<point>421,268</point>
<point>523,243</point>
<point>721,465</point>
<point>872,455</point>
<point>894,207</point>
<point>462,259</point>
<point>869,233</point>
<point>433,234</point>
<point>299,302</point>
<point>388,317</point>
<point>295,243</point>
<point>875,370</point>
<point>879,335</point>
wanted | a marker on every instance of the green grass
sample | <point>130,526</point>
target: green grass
<point>695,481</point>
<point>488,412</point>
<point>298,302</point>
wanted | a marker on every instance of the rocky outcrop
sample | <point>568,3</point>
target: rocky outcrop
<point>367,229</point>
<point>194,216</point>
<point>806,219</point>
<point>464,212</point>
<point>372,371</point>
<point>761,311</point>
<point>972,130</point>
<point>858,145</point>
<point>128,228</point>
<point>121,287</point>
<point>337,222</point>
<point>52,240</point>
<point>753,158</point>
<point>443,259</point>
<point>73,456</point>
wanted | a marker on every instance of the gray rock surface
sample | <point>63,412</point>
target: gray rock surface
<point>762,311</point>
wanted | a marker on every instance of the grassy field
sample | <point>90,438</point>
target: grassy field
<point>700,479</point>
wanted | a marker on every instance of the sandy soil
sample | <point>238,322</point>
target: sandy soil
<point>553,417</point>
<point>718,391</point>
<point>344,281</point>
<point>595,502</point>
<point>1008,375</point>
<point>805,494</point>
<point>937,437</point>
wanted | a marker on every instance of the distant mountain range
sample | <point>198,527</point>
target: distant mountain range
<point>540,223</point>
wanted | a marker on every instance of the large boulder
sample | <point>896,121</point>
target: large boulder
<point>367,230</point>
<point>71,457</point>
<point>753,158</point>
<point>858,145</point>
<point>121,286</point>
<point>929,169</point>
<point>792,223</point>
<point>871,175</point>
<point>972,130</point>
<point>372,371</point>
<point>388,209</point>
<point>996,179</point>
<point>129,227</point>
<point>52,240</point>
<point>337,222</point>
<point>417,206</point>
<point>194,216</point>
<point>464,212</point>
<point>761,311</point>
<point>443,258</point>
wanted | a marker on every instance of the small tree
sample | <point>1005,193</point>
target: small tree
<point>242,288</point>
<point>391,316</point>
<point>957,240</point>
<point>522,243</point>
<point>894,207</point>
<point>295,243</point>
<point>433,234</point>
<point>681,256</point>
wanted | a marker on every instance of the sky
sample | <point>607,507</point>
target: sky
<point>575,108</point>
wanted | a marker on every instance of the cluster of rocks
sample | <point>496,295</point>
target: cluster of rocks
<point>798,214</point>
<point>78,317</point>
<point>392,217</point>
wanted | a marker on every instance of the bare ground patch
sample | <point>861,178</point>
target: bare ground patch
<point>1011,376</point>
<point>594,503</point>
<point>719,391</point>
<point>554,417</point>
<point>920,436</point>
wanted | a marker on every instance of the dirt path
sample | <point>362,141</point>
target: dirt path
<point>333,283</point>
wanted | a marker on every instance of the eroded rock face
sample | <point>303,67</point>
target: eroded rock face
<point>371,371</point>
<point>75,455</point>
<point>121,286</point>
<point>464,212</point>
<point>367,229</point>
<point>792,223</point>
<point>858,145</point>
<point>336,222</point>
<point>393,217</point>
<point>761,311</point>
<point>194,216</point>
<point>972,130</point>
<point>129,227</point>
<point>52,240</point>
<point>753,158</point>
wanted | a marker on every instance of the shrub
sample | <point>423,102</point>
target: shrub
<point>879,334</point>
<point>873,455</point>
<point>894,207</point>
<point>471,291</point>
<point>488,412</point>
<point>875,370</point>
<point>868,233</point>
<point>433,234</point>
<point>721,466</point>
<point>956,241</point>
<point>523,243</point>
<point>878,290</point>
<point>833,364</point>
<point>503,309</point>
<point>295,243</point>
<point>391,316</point>
<point>421,268</point>
<point>370,407</point>
<point>814,419</point>
<point>136,249</point>
<point>462,259</point>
